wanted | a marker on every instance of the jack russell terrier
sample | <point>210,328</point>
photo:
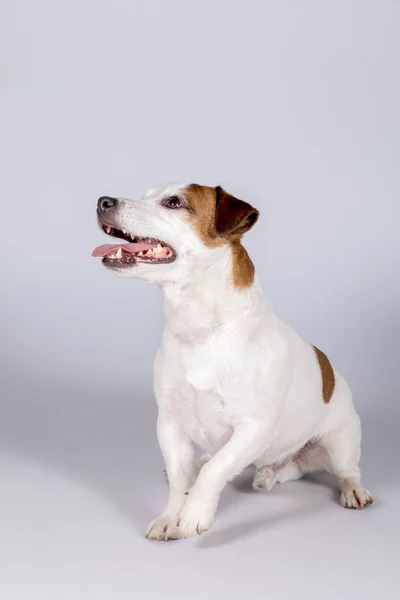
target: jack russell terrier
<point>229,377</point>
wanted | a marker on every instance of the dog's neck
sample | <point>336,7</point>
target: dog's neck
<point>205,299</point>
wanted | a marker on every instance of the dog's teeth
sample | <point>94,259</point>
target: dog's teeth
<point>140,253</point>
<point>112,256</point>
<point>108,229</point>
<point>118,254</point>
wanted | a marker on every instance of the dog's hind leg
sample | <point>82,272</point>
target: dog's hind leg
<point>307,460</point>
<point>266,477</point>
<point>343,450</point>
<point>341,443</point>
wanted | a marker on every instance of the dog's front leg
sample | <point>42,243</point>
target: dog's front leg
<point>179,456</point>
<point>247,442</point>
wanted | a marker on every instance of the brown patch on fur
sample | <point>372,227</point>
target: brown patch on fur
<point>233,216</point>
<point>201,201</point>
<point>242,266</point>
<point>328,375</point>
<point>219,219</point>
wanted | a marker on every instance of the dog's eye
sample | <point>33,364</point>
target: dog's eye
<point>173,202</point>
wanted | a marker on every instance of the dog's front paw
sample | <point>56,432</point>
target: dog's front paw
<point>196,517</point>
<point>163,528</point>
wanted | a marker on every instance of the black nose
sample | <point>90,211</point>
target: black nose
<point>105,203</point>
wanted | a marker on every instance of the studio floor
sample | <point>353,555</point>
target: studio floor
<point>81,480</point>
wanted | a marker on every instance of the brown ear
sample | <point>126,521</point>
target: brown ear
<point>232,215</point>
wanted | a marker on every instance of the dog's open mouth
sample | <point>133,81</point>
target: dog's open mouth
<point>137,249</point>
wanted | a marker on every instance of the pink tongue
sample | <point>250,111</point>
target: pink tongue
<point>106,249</point>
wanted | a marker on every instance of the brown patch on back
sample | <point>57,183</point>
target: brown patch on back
<point>328,375</point>
<point>207,215</point>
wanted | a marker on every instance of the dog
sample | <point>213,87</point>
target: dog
<point>229,377</point>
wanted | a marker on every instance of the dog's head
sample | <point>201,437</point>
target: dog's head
<point>171,229</point>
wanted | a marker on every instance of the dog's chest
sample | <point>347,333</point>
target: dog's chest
<point>204,415</point>
<point>208,365</point>
<point>203,378</point>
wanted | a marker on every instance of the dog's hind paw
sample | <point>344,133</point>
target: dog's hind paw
<point>356,498</point>
<point>264,479</point>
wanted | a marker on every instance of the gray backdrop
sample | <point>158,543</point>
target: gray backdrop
<point>291,105</point>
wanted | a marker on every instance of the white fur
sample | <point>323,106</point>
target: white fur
<point>233,379</point>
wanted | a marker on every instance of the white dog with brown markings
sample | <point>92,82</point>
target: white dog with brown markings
<point>229,377</point>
